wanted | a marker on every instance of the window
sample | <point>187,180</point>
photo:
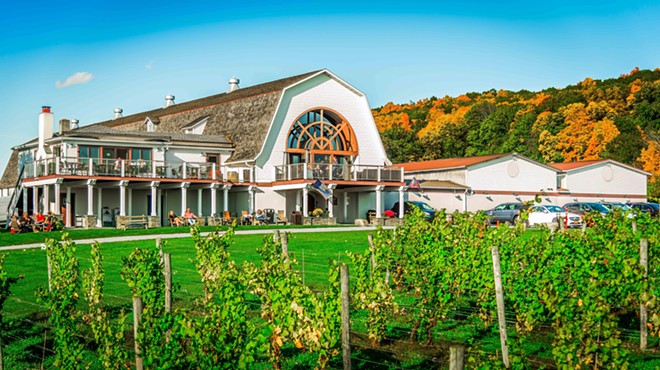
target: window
<point>213,158</point>
<point>322,133</point>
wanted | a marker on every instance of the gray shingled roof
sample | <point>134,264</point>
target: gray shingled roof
<point>10,176</point>
<point>243,116</point>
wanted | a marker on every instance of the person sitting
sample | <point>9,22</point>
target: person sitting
<point>261,217</point>
<point>26,224</point>
<point>175,220</point>
<point>39,221</point>
<point>190,217</point>
<point>14,225</point>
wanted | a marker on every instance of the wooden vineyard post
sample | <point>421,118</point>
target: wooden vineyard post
<point>167,271</point>
<point>1,365</point>
<point>303,266</point>
<point>276,236</point>
<point>370,237</point>
<point>160,248</point>
<point>137,312</point>
<point>499,295</point>
<point>643,315</point>
<point>345,318</point>
<point>50,271</point>
<point>285,246</point>
<point>456,357</point>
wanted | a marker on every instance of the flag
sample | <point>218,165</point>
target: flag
<point>322,188</point>
<point>415,185</point>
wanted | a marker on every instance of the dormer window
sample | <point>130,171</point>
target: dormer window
<point>151,123</point>
<point>197,127</point>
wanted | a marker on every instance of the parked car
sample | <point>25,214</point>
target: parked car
<point>550,213</point>
<point>624,208</point>
<point>581,208</point>
<point>429,212</point>
<point>646,207</point>
<point>506,212</point>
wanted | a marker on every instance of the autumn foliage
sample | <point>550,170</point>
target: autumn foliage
<point>617,118</point>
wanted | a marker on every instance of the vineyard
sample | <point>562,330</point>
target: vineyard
<point>578,299</point>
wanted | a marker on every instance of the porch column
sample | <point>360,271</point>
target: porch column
<point>35,200</point>
<point>199,202</point>
<point>305,206</point>
<point>379,201</point>
<point>129,193</point>
<point>298,197</point>
<point>46,199</point>
<point>346,200</point>
<point>122,198</point>
<point>69,212</point>
<point>25,200</point>
<point>58,205</point>
<point>154,198</point>
<point>402,190</point>
<point>90,197</point>
<point>214,199</point>
<point>184,195</point>
<point>99,207</point>
<point>251,199</point>
<point>225,198</point>
<point>331,211</point>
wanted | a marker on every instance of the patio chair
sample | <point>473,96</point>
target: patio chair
<point>227,219</point>
<point>281,218</point>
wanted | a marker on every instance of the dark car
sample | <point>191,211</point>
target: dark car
<point>506,213</point>
<point>646,207</point>
<point>429,212</point>
<point>585,207</point>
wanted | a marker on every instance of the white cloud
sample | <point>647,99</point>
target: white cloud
<point>149,65</point>
<point>75,79</point>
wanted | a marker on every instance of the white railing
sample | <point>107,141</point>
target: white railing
<point>345,172</point>
<point>96,167</point>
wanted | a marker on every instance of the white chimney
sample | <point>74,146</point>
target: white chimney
<point>169,100</point>
<point>46,123</point>
<point>233,84</point>
<point>118,112</point>
<point>74,123</point>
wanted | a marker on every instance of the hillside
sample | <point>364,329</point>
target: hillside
<point>617,118</point>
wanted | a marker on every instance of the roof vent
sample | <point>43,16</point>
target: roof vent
<point>233,84</point>
<point>118,113</point>
<point>169,100</point>
<point>65,125</point>
<point>74,123</point>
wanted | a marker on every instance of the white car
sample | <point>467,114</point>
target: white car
<point>548,213</point>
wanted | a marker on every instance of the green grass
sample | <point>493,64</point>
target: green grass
<point>316,249</point>
<point>7,239</point>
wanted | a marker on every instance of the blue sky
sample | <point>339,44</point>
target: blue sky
<point>84,58</point>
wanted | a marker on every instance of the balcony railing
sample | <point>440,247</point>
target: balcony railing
<point>95,167</point>
<point>345,172</point>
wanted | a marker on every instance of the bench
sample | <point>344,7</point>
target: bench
<point>132,221</point>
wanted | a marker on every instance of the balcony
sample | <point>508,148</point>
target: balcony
<point>338,172</point>
<point>94,167</point>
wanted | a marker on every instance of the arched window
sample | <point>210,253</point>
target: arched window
<point>321,132</point>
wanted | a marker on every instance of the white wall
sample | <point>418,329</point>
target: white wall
<point>594,180</point>
<point>511,174</point>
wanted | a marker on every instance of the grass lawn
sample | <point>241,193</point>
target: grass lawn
<point>7,239</point>
<point>316,249</point>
